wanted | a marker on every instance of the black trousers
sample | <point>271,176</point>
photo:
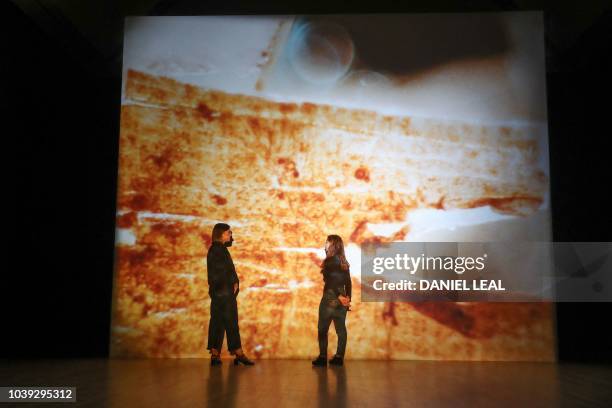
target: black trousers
<point>327,314</point>
<point>223,319</point>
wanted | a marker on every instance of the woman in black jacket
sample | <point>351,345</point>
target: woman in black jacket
<point>223,288</point>
<point>335,301</point>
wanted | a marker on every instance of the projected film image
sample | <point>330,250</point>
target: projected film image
<point>377,128</point>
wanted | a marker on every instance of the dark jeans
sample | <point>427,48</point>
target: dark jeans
<point>223,319</point>
<point>327,314</point>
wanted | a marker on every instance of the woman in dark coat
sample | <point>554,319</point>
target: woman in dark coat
<point>335,301</point>
<point>223,288</point>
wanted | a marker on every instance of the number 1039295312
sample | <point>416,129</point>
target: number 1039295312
<point>47,394</point>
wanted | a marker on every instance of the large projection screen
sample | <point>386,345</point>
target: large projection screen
<point>378,128</point>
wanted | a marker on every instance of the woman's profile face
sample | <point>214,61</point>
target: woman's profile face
<point>226,236</point>
<point>327,245</point>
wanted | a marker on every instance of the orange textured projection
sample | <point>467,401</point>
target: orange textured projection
<point>284,176</point>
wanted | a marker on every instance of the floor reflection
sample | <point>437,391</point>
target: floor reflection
<point>192,383</point>
<point>331,386</point>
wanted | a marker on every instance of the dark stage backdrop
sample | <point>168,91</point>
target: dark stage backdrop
<point>67,134</point>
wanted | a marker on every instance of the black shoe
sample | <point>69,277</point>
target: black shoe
<point>215,361</point>
<point>336,361</point>
<point>320,362</point>
<point>242,359</point>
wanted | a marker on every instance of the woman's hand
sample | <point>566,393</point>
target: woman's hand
<point>345,300</point>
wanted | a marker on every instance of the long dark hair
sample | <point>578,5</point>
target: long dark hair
<point>218,230</point>
<point>336,247</point>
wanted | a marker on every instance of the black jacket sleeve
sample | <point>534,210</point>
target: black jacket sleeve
<point>232,269</point>
<point>233,276</point>
<point>348,285</point>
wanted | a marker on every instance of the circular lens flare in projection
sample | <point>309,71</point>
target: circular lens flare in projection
<point>320,53</point>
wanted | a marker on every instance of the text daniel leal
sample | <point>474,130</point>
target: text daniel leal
<point>448,284</point>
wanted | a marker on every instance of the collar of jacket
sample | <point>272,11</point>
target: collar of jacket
<point>332,260</point>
